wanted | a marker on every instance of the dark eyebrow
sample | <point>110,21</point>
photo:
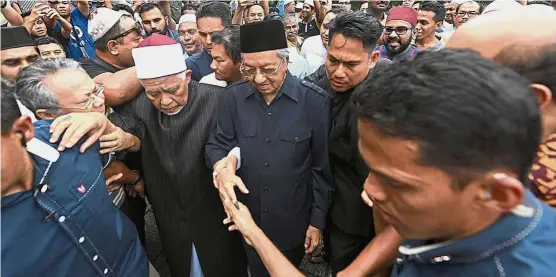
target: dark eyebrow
<point>388,178</point>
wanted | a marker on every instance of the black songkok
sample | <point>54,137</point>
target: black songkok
<point>262,36</point>
<point>14,37</point>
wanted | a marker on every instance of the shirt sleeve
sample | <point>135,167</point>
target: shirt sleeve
<point>320,167</point>
<point>223,138</point>
<point>92,68</point>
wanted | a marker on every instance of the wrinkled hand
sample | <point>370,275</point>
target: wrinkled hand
<point>52,14</point>
<point>227,163</point>
<point>313,239</point>
<point>114,141</point>
<point>75,126</point>
<point>226,184</point>
<point>111,183</point>
<point>241,220</point>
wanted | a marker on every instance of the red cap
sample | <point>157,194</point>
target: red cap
<point>403,13</point>
<point>157,39</point>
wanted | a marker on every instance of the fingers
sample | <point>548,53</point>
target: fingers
<point>315,241</point>
<point>58,126</point>
<point>93,136</point>
<point>69,138</point>
<point>366,199</point>
<point>239,183</point>
<point>108,137</point>
<point>307,242</point>
<point>114,178</point>
<point>230,193</point>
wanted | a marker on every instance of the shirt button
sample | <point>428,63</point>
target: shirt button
<point>267,141</point>
<point>296,139</point>
<point>399,260</point>
<point>269,114</point>
<point>81,239</point>
<point>265,211</point>
<point>265,189</point>
<point>62,219</point>
<point>95,257</point>
<point>266,165</point>
<point>105,270</point>
<point>44,188</point>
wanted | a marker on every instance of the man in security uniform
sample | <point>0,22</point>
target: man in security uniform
<point>57,217</point>
<point>281,126</point>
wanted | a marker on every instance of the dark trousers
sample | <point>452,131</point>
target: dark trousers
<point>342,248</point>
<point>256,265</point>
<point>135,208</point>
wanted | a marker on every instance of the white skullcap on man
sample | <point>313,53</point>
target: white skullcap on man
<point>158,56</point>
<point>187,18</point>
<point>309,2</point>
<point>101,21</point>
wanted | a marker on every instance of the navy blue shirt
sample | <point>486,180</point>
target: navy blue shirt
<point>79,39</point>
<point>67,225</point>
<point>308,29</point>
<point>284,155</point>
<point>517,244</point>
<point>199,64</point>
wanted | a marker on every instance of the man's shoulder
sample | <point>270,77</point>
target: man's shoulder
<point>238,85</point>
<point>313,88</point>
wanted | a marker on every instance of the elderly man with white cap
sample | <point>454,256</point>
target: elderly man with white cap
<point>189,36</point>
<point>173,119</point>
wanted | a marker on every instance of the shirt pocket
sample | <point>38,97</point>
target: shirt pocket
<point>297,143</point>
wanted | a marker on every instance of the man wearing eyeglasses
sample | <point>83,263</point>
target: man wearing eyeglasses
<point>281,126</point>
<point>466,11</point>
<point>398,33</point>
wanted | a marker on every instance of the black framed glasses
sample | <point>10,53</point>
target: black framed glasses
<point>399,30</point>
<point>136,28</point>
<point>469,14</point>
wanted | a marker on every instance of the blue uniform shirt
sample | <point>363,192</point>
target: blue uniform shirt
<point>516,245</point>
<point>199,64</point>
<point>67,225</point>
<point>284,155</point>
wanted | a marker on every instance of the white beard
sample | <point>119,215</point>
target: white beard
<point>174,113</point>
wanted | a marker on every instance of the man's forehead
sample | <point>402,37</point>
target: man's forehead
<point>18,52</point>
<point>49,46</point>
<point>470,6</point>
<point>425,14</point>
<point>209,24</point>
<point>188,26</point>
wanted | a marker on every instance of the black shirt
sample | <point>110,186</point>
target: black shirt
<point>308,29</point>
<point>284,155</point>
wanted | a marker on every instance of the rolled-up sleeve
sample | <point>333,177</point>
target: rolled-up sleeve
<point>223,137</point>
<point>320,166</point>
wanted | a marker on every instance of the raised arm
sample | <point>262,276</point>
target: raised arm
<point>53,15</point>
<point>120,87</point>
<point>83,6</point>
<point>13,17</point>
<point>266,9</point>
<point>319,10</point>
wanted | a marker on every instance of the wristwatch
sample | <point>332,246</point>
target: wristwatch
<point>138,178</point>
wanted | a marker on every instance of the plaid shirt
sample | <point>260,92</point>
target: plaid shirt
<point>413,50</point>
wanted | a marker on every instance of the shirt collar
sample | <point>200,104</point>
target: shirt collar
<point>507,231</point>
<point>289,88</point>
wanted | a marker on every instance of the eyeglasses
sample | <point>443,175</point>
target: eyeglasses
<point>470,14</point>
<point>92,99</point>
<point>136,28</point>
<point>250,72</point>
<point>399,30</point>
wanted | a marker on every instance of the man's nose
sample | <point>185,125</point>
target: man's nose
<point>165,100</point>
<point>393,34</point>
<point>374,189</point>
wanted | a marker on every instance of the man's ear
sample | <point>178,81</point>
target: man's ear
<point>373,59</point>
<point>501,191</point>
<point>45,114</point>
<point>24,127</point>
<point>543,94</point>
<point>166,18</point>
<point>188,76</point>
<point>111,46</point>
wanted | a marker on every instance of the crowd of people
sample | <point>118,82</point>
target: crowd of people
<point>385,138</point>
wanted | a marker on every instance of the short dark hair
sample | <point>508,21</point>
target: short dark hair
<point>436,7</point>
<point>480,6</point>
<point>10,109</point>
<point>337,9</point>
<point>539,68</point>
<point>149,6</point>
<point>114,31</point>
<point>216,10</point>
<point>229,38</point>
<point>47,40</point>
<point>120,7</point>
<point>189,6</point>
<point>357,25</point>
<point>469,115</point>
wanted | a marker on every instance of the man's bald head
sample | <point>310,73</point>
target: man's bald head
<point>490,33</point>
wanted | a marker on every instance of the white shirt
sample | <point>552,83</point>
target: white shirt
<point>297,64</point>
<point>314,53</point>
<point>211,80</point>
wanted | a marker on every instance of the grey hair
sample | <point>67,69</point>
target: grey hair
<point>290,17</point>
<point>30,88</point>
<point>283,53</point>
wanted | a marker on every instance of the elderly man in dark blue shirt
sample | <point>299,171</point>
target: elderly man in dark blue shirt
<point>281,125</point>
<point>57,217</point>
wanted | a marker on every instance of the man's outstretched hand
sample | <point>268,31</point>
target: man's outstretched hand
<point>76,125</point>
